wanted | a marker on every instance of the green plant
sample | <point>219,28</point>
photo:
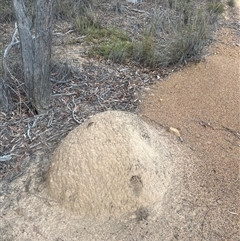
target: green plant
<point>184,46</point>
<point>111,43</point>
<point>83,23</point>
<point>121,51</point>
<point>1,69</point>
<point>144,51</point>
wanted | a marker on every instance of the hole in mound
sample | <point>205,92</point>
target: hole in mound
<point>142,213</point>
<point>136,185</point>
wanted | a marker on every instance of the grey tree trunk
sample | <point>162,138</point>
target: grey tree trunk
<point>36,52</point>
<point>42,61</point>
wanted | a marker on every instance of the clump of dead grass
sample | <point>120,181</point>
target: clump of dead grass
<point>63,9</point>
<point>176,35</point>
<point>216,7</point>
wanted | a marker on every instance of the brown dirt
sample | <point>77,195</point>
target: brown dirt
<point>202,203</point>
<point>203,102</point>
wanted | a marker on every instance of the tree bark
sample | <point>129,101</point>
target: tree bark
<point>26,43</point>
<point>36,52</point>
<point>42,58</point>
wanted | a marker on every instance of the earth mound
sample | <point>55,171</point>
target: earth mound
<point>111,165</point>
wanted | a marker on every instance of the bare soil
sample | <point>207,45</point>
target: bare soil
<point>202,101</point>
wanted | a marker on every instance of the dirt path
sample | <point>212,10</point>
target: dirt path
<point>203,102</point>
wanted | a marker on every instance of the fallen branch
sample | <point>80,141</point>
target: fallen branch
<point>73,114</point>
<point>13,42</point>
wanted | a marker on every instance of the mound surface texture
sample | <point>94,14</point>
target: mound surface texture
<point>111,165</point>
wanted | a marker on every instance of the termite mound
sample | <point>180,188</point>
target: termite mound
<point>111,165</point>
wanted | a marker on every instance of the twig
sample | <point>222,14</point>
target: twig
<point>99,101</point>
<point>73,114</point>
<point>35,121</point>
<point>13,42</point>
<point>50,120</point>
<point>233,213</point>
<point>136,10</point>
<point>70,31</point>
<point>155,122</point>
<point>206,124</point>
<point>48,139</point>
<point>5,158</point>
<point>63,34</point>
<point>81,37</point>
<point>61,81</point>
<point>61,94</point>
<point>104,93</point>
<point>28,132</point>
<point>235,133</point>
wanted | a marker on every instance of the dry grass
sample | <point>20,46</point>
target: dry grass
<point>177,31</point>
<point>173,35</point>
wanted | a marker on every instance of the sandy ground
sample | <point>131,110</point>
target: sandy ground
<point>203,102</point>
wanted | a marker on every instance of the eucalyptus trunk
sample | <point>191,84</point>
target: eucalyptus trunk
<point>36,52</point>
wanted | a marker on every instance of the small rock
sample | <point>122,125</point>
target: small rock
<point>174,131</point>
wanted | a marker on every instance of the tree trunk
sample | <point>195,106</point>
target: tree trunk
<point>26,43</point>
<point>42,58</point>
<point>36,53</point>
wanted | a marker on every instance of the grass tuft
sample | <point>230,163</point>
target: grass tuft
<point>110,43</point>
<point>216,7</point>
<point>169,39</point>
<point>64,9</point>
